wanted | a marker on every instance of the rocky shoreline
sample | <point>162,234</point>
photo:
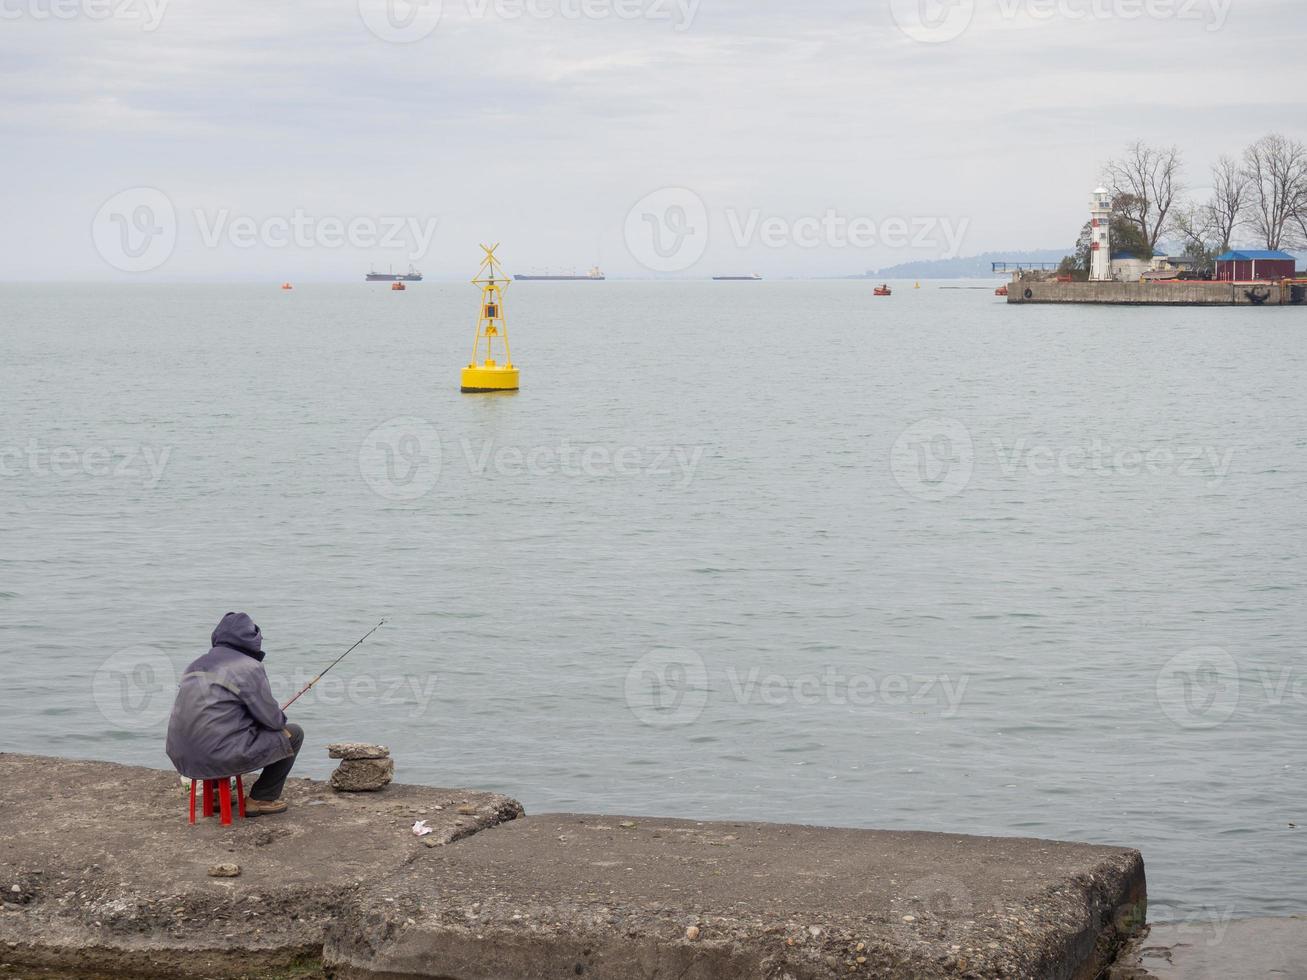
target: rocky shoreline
<point>112,880</point>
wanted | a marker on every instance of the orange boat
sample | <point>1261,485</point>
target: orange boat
<point>882,290</point>
<point>397,286</point>
<point>286,285</point>
<point>1001,291</point>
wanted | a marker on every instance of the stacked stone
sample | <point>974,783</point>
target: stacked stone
<point>364,769</point>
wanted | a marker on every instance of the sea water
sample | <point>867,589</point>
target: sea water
<point>779,551</point>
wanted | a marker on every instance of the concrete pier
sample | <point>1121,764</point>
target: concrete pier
<point>111,879</point>
<point>1039,290</point>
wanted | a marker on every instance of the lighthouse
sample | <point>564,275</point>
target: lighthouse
<point>1100,227</point>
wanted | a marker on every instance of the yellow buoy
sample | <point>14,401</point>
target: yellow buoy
<point>489,375</point>
<point>917,286</point>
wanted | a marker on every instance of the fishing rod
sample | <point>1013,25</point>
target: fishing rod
<point>309,686</point>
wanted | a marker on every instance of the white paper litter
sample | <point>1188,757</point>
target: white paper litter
<point>420,829</point>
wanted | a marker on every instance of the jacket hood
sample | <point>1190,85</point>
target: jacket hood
<point>238,631</point>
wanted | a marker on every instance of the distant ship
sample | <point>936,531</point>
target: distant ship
<point>753,278</point>
<point>411,276</point>
<point>594,275</point>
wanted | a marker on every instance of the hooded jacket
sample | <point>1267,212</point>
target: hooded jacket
<point>225,721</point>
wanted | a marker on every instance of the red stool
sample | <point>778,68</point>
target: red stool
<point>221,789</point>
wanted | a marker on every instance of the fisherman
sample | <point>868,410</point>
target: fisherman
<point>227,723</point>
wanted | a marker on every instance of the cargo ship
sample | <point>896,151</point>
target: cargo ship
<point>594,275</point>
<point>753,278</point>
<point>411,276</point>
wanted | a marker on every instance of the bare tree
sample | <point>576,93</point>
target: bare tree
<point>1297,237</point>
<point>1207,229</point>
<point>1276,169</point>
<point>1194,224</point>
<point>1146,185</point>
<point>1228,203</point>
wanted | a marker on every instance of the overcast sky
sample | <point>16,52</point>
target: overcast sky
<point>150,140</point>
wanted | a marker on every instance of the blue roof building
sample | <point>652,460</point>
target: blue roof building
<point>1253,264</point>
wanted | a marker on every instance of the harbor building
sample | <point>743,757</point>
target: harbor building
<point>1129,267</point>
<point>1255,265</point>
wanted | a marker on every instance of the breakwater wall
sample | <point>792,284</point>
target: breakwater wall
<point>101,874</point>
<point>1254,294</point>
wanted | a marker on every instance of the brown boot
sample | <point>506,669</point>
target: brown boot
<point>258,808</point>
